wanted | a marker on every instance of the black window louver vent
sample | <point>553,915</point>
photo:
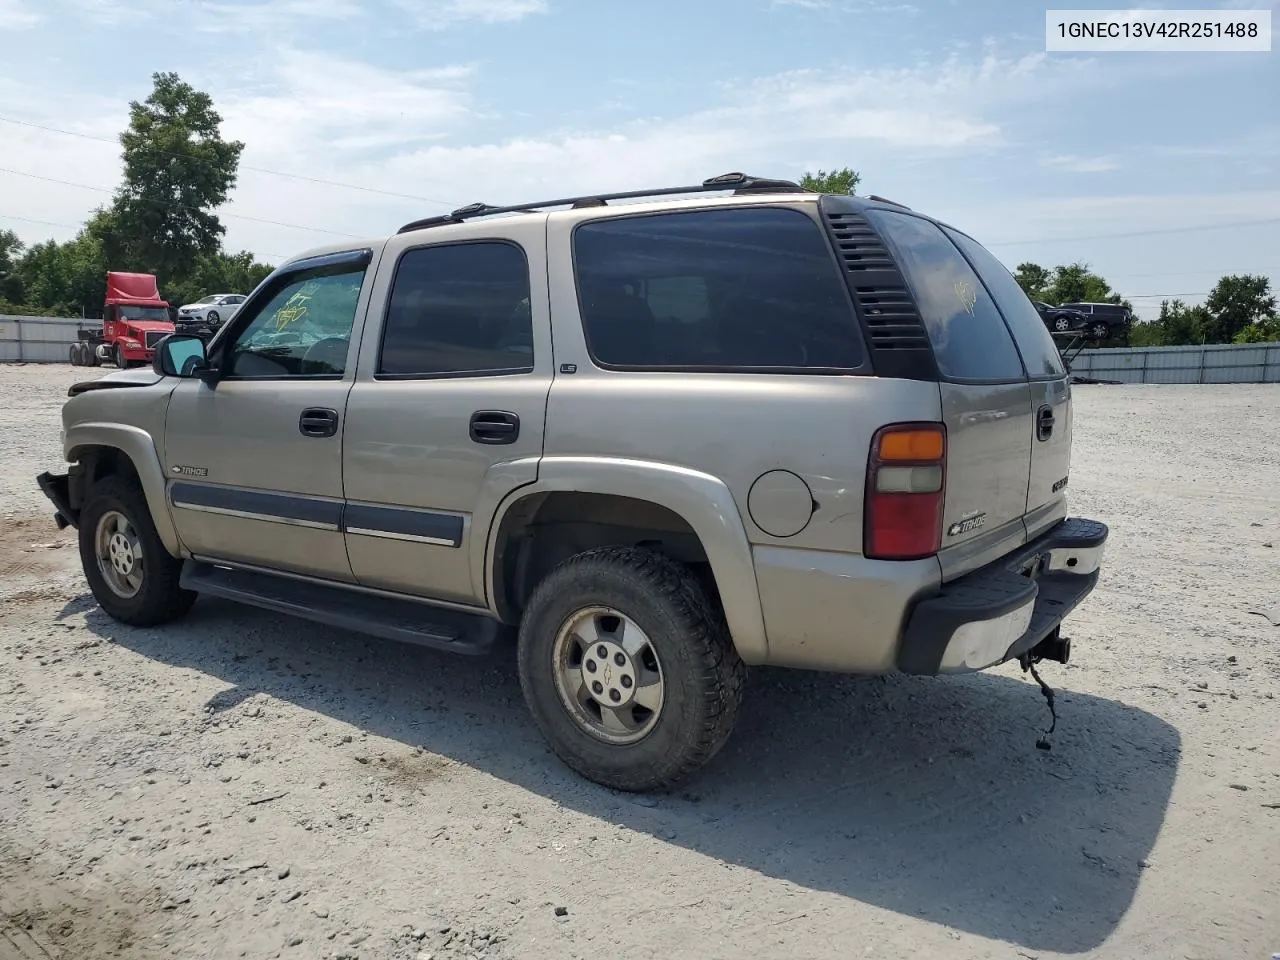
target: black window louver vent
<point>882,295</point>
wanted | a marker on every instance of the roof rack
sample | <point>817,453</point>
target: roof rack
<point>739,183</point>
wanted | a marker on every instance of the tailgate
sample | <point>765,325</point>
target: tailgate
<point>1002,386</point>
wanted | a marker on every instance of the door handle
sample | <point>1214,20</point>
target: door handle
<point>1044,422</point>
<point>318,422</point>
<point>494,427</point>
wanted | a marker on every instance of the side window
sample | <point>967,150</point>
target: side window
<point>1038,350</point>
<point>970,340</point>
<point>735,289</point>
<point>302,330</point>
<point>459,309</point>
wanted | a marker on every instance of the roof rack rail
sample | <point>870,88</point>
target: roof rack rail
<point>739,183</point>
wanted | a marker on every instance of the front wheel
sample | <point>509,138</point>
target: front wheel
<point>130,573</point>
<point>212,319</point>
<point>1062,324</point>
<point>120,358</point>
<point>628,668</point>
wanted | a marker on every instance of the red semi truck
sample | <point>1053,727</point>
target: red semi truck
<point>134,320</point>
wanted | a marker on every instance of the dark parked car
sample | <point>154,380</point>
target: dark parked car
<point>1103,321</point>
<point>1060,319</point>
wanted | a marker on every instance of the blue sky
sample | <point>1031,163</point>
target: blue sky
<point>953,108</point>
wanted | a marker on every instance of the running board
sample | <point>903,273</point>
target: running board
<point>379,616</point>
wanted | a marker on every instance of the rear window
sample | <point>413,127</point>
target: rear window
<point>738,289</point>
<point>1039,353</point>
<point>970,340</point>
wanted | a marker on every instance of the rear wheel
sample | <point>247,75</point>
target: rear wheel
<point>90,355</point>
<point>628,668</point>
<point>1062,324</point>
<point>1099,331</point>
<point>130,573</point>
<point>73,355</point>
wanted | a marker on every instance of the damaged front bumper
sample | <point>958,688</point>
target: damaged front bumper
<point>63,489</point>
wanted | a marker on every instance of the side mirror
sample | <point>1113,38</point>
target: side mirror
<point>181,355</point>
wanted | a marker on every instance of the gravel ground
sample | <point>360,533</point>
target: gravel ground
<point>245,785</point>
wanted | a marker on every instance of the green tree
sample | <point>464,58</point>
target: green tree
<point>65,278</point>
<point>219,273</point>
<point>1034,280</point>
<point>10,253</point>
<point>842,181</point>
<point>1076,283</point>
<point>1235,304</point>
<point>177,171</point>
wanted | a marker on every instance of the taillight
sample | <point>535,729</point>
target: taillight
<point>906,476</point>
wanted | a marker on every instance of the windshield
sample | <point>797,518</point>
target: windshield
<point>160,314</point>
<point>209,299</point>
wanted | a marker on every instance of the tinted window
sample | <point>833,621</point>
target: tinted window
<point>1115,311</point>
<point>1039,353</point>
<point>970,340</point>
<point>714,289</point>
<point>459,309</point>
<point>303,329</point>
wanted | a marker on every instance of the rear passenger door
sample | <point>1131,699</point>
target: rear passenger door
<point>449,402</point>
<point>986,399</point>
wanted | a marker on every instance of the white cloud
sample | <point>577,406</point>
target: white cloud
<point>440,14</point>
<point>15,15</point>
<point>1070,163</point>
<point>223,16</point>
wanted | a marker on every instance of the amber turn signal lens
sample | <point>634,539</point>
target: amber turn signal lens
<point>917,444</point>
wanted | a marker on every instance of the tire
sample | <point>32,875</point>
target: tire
<point>158,597</point>
<point>74,354</point>
<point>700,676</point>
<point>212,319</point>
<point>118,356</point>
<point>1099,331</point>
<point>1062,324</point>
<point>91,358</point>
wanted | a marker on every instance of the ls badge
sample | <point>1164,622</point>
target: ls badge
<point>181,470</point>
<point>966,525</point>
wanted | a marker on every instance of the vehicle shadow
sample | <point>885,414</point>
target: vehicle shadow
<point>925,797</point>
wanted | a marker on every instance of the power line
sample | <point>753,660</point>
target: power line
<point>1137,233</point>
<point>76,226</point>
<point>274,173</point>
<point>180,206</point>
<point>44,223</point>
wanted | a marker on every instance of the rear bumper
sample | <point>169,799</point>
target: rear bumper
<point>1006,608</point>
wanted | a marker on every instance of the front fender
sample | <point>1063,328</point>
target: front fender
<point>139,447</point>
<point>703,501</point>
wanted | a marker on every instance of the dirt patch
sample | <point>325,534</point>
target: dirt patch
<point>33,547</point>
<point>413,771</point>
<point>48,913</point>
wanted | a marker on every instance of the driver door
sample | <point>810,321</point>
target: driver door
<point>254,460</point>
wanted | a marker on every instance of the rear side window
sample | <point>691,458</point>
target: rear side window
<point>737,289</point>
<point>1038,350</point>
<point>969,338</point>
<point>458,309</point>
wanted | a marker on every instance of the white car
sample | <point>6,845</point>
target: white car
<point>211,310</point>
